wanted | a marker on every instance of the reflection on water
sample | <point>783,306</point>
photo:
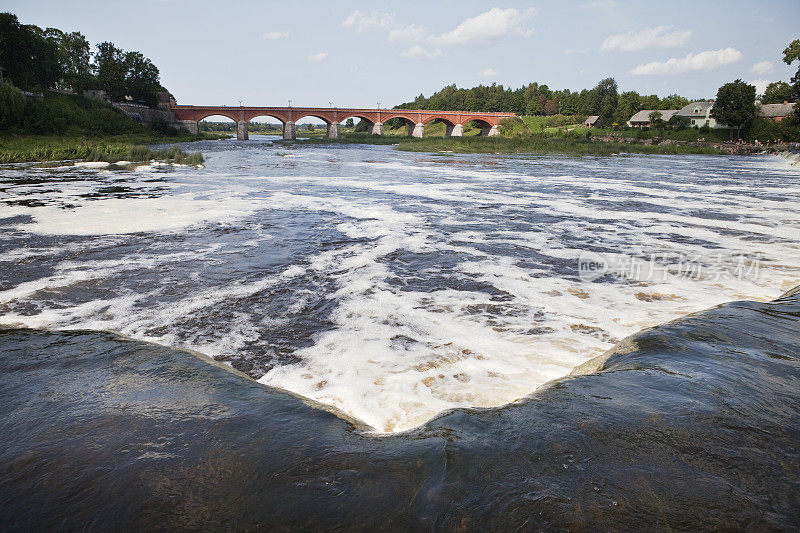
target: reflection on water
<point>392,286</point>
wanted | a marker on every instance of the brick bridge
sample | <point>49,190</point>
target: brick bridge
<point>187,116</point>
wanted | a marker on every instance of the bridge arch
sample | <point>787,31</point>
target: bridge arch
<point>450,125</point>
<point>486,127</point>
<point>262,115</point>
<point>368,120</point>
<point>217,113</point>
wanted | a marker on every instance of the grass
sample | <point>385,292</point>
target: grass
<point>347,138</point>
<point>543,143</point>
<point>573,143</point>
<point>21,148</point>
<point>534,123</point>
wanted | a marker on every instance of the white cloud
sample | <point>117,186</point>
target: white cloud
<point>419,51</point>
<point>273,35</point>
<point>489,26</point>
<point>489,72</point>
<point>708,60</point>
<point>761,85</point>
<point>318,56</point>
<point>486,27</point>
<point>762,67</point>
<point>409,35</point>
<point>373,21</point>
<point>658,37</point>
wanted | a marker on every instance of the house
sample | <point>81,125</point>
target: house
<point>699,114</point>
<point>642,118</point>
<point>776,112</point>
<point>591,121</point>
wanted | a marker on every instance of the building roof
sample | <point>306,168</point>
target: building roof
<point>644,115</point>
<point>696,109</point>
<point>591,119</point>
<point>776,110</point>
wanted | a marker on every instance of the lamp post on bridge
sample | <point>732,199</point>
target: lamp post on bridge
<point>288,126</point>
<point>241,125</point>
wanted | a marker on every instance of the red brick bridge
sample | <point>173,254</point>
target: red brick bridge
<point>187,116</point>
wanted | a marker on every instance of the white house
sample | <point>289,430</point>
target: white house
<point>699,114</point>
<point>642,118</point>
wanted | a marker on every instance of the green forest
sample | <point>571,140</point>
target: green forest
<point>35,59</point>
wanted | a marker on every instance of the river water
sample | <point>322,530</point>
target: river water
<point>390,285</point>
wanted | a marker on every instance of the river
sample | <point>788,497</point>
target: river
<point>394,335</point>
<point>389,285</point>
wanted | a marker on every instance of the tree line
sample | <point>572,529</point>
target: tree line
<point>36,59</point>
<point>603,100</point>
<point>735,104</point>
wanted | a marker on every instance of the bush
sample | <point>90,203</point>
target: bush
<point>61,114</point>
<point>765,130</point>
<point>160,125</point>
<point>12,105</point>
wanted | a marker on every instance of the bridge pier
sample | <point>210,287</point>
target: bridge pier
<point>333,130</point>
<point>418,131</point>
<point>454,131</point>
<point>494,130</point>
<point>241,131</point>
<point>289,133</point>
<point>189,125</point>
<point>377,128</point>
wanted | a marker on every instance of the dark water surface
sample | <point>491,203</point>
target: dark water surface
<point>390,285</point>
<point>438,303</point>
<point>690,425</point>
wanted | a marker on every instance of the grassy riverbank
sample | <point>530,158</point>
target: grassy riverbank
<point>22,148</point>
<point>544,144</point>
<point>535,143</point>
<point>56,127</point>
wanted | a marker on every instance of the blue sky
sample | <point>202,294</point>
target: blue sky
<point>355,54</point>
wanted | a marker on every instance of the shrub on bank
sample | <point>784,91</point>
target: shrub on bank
<point>60,114</point>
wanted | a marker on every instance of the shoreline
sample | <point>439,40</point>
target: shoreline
<point>53,148</point>
<point>46,149</point>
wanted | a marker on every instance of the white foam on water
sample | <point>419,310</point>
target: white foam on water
<point>132,215</point>
<point>401,346</point>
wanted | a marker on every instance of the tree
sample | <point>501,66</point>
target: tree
<point>74,56</point>
<point>673,101</point>
<point>777,92</point>
<point>123,74</point>
<point>141,79</point>
<point>790,55</point>
<point>656,121</point>
<point>735,105</point>
<point>602,101</point>
<point>109,69</point>
<point>628,104</point>
<point>27,59</point>
<point>349,123</point>
<point>679,122</point>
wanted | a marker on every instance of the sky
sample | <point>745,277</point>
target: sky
<point>356,54</point>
